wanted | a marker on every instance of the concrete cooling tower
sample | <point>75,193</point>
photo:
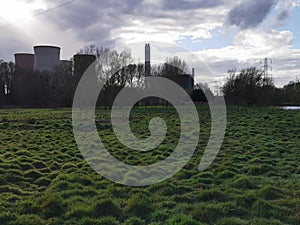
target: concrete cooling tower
<point>46,57</point>
<point>24,61</point>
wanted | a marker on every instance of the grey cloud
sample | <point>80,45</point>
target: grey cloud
<point>190,4</point>
<point>93,20</point>
<point>250,13</point>
<point>99,21</point>
<point>283,15</point>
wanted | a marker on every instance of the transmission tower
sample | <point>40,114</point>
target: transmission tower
<point>217,87</point>
<point>266,67</point>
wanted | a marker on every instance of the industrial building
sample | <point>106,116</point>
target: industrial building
<point>24,61</point>
<point>186,81</point>
<point>67,63</point>
<point>46,57</point>
<point>81,63</point>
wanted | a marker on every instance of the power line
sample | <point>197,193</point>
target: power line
<point>41,13</point>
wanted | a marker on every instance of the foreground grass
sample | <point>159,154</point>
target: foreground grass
<point>255,178</point>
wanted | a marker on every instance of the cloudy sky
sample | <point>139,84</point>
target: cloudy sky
<point>223,33</point>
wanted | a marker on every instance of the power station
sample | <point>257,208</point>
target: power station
<point>186,81</point>
<point>46,57</point>
<point>24,61</point>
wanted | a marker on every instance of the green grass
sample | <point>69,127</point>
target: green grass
<point>255,178</point>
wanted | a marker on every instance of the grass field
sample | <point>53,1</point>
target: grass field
<point>255,178</point>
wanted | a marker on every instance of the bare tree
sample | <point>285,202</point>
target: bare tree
<point>245,87</point>
<point>7,72</point>
<point>174,66</point>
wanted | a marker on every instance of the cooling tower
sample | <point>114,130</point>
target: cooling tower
<point>24,61</point>
<point>46,57</point>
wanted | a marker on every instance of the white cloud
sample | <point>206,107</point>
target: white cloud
<point>251,47</point>
<point>265,40</point>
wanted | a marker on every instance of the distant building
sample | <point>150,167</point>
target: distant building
<point>67,63</point>
<point>81,63</point>
<point>24,61</point>
<point>46,58</point>
<point>185,81</point>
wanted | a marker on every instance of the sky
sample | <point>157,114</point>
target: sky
<point>224,34</point>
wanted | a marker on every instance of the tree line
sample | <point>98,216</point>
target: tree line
<point>252,86</point>
<point>115,70</point>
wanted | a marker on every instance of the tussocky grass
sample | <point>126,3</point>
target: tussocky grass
<point>255,178</point>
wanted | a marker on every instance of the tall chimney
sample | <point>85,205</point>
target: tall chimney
<point>193,73</point>
<point>147,60</point>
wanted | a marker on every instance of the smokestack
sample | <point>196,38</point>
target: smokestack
<point>193,73</point>
<point>147,60</point>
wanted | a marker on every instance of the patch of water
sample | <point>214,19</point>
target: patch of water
<point>290,107</point>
